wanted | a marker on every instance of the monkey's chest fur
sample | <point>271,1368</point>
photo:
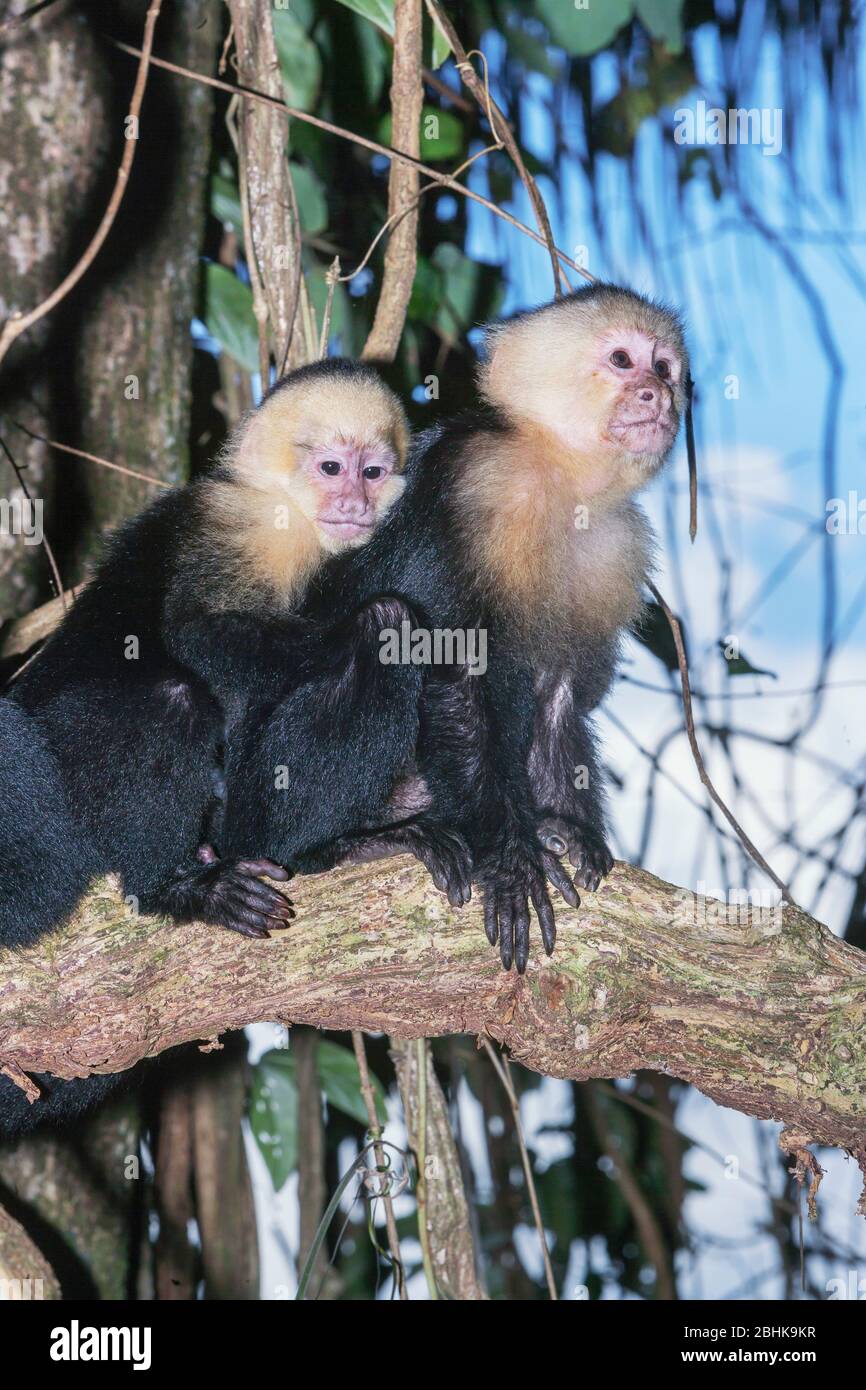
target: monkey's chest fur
<point>567,578</point>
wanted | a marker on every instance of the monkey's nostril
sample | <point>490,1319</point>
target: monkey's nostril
<point>647,395</point>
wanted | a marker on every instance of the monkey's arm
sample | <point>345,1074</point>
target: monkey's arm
<point>567,782</point>
<point>309,775</point>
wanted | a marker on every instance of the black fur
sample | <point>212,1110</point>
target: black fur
<point>476,733</point>
<point>112,743</point>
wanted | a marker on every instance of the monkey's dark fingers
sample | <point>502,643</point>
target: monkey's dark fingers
<point>259,897</point>
<point>263,868</point>
<point>545,914</point>
<point>491,923</point>
<point>506,933</point>
<point>446,857</point>
<point>588,878</point>
<point>593,861</point>
<point>561,879</point>
<point>520,910</point>
<point>239,919</point>
<point>244,928</point>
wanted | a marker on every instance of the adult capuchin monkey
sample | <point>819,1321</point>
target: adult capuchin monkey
<point>518,519</point>
<point>112,740</point>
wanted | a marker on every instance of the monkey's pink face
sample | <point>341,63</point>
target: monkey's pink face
<point>645,374</point>
<point>352,485</point>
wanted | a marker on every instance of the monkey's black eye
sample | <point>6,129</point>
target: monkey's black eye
<point>663,369</point>
<point>620,358</point>
<point>373,470</point>
<point>331,467</point>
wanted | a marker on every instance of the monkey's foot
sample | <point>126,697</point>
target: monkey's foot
<point>586,849</point>
<point>443,852</point>
<point>509,886</point>
<point>229,893</point>
<point>445,855</point>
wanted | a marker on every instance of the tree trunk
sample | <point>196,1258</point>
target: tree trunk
<point>50,97</point>
<point>134,349</point>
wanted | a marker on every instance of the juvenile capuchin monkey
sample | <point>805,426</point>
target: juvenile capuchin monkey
<point>519,519</point>
<point>114,738</point>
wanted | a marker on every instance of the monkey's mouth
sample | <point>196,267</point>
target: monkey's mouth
<point>645,434</point>
<point>344,528</point>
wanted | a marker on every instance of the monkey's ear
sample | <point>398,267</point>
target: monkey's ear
<point>401,437</point>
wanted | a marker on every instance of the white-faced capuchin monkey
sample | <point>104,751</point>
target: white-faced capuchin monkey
<point>518,518</point>
<point>115,735</point>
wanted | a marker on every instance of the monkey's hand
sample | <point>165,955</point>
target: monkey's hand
<point>229,893</point>
<point>509,882</point>
<point>586,849</point>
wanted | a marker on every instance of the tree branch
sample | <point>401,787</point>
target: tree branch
<point>764,1012</point>
<point>401,255</point>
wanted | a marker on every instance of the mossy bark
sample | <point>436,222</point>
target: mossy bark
<point>763,1013</point>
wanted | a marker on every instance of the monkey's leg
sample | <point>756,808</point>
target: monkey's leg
<point>475,738</point>
<point>567,784</point>
<point>443,852</point>
<point>321,763</point>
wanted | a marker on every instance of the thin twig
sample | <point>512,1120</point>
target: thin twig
<point>55,572</point>
<point>17,323</point>
<point>17,19</point>
<point>92,458</point>
<point>755,853</point>
<point>292,112</point>
<point>332,278</point>
<point>391,222</point>
<point>501,130</point>
<point>374,1130</point>
<point>503,1072</point>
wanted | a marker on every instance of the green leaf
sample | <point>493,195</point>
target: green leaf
<point>300,63</point>
<point>663,19</point>
<point>229,317</point>
<point>273,1114</point>
<point>741,666</point>
<point>312,207</point>
<point>379,12</point>
<point>273,1106</point>
<point>341,1082</point>
<point>440,48</point>
<point>225,202</point>
<point>531,51</point>
<point>460,279</point>
<point>441,134</point>
<point>426,296</point>
<point>584,31</point>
